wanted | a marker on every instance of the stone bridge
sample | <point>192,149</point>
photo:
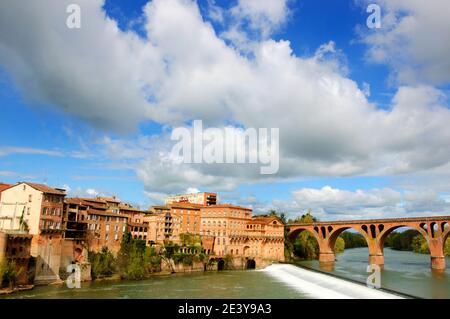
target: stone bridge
<point>434,229</point>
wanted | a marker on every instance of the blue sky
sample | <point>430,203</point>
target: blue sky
<point>47,141</point>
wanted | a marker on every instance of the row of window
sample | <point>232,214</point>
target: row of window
<point>49,224</point>
<point>51,211</point>
<point>53,198</point>
<point>107,218</point>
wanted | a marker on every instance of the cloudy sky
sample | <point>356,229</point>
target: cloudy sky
<point>363,113</point>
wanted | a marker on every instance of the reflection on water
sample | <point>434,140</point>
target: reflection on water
<point>404,271</point>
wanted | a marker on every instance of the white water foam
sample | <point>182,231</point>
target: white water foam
<point>322,286</point>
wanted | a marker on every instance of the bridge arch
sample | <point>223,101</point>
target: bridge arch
<point>384,234</point>
<point>338,231</point>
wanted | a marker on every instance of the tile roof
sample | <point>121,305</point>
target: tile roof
<point>4,186</point>
<point>46,189</point>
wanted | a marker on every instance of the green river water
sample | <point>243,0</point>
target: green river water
<point>405,272</point>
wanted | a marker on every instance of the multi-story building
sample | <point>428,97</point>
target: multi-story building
<point>224,222</point>
<point>225,229</point>
<point>36,209</point>
<point>96,222</point>
<point>137,221</point>
<point>203,198</point>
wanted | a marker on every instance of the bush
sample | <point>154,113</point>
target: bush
<point>103,264</point>
<point>9,273</point>
<point>340,245</point>
<point>182,258</point>
<point>136,268</point>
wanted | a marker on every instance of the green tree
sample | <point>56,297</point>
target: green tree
<point>103,263</point>
<point>419,245</point>
<point>353,240</point>
<point>305,245</point>
<point>340,245</point>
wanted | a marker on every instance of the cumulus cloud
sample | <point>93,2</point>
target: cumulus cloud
<point>95,72</point>
<point>328,203</point>
<point>411,40</point>
<point>183,70</point>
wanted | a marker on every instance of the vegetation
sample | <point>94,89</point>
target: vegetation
<point>9,273</point>
<point>353,240</point>
<point>412,240</point>
<point>103,263</point>
<point>401,240</point>
<point>136,261</point>
<point>340,245</point>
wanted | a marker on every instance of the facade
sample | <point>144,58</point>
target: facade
<point>56,231</point>
<point>16,247</point>
<point>99,220</point>
<point>36,209</point>
<point>205,199</point>
<point>137,221</point>
<point>225,229</point>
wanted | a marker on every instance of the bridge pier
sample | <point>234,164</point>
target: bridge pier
<point>438,262</point>
<point>326,258</point>
<point>376,259</point>
<point>436,246</point>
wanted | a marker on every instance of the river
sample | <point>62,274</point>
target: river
<point>405,272</point>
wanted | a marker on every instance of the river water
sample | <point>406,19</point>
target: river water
<point>405,272</point>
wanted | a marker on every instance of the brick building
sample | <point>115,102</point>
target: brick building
<point>36,209</point>
<point>225,229</point>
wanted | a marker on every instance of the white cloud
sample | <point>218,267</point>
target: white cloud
<point>412,40</point>
<point>192,190</point>
<point>9,150</point>
<point>263,16</point>
<point>328,203</point>
<point>92,192</point>
<point>183,70</point>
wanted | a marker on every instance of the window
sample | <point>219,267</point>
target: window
<point>107,228</point>
<point>30,198</point>
<point>116,237</point>
<point>107,236</point>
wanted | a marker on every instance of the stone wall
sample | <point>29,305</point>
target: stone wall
<point>170,266</point>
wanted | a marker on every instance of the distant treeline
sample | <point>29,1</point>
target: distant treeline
<point>411,240</point>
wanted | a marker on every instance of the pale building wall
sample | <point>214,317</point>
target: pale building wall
<point>14,200</point>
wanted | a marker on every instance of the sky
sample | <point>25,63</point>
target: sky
<point>363,114</point>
